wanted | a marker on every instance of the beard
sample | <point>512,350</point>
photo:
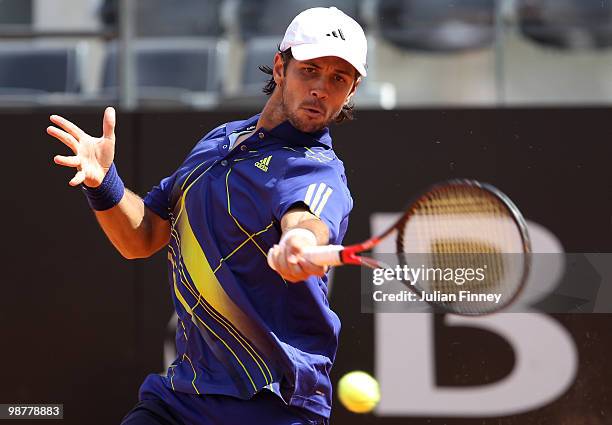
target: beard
<point>304,124</point>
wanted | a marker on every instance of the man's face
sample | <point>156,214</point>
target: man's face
<point>314,91</point>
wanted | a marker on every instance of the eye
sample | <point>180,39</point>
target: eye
<point>339,78</point>
<point>309,69</point>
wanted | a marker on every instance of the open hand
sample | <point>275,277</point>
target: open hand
<point>93,156</point>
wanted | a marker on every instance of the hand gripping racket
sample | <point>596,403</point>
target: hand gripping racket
<point>457,224</point>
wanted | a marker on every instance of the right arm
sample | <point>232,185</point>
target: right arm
<point>135,230</point>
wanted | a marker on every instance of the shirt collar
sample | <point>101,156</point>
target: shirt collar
<point>286,132</point>
<point>242,125</point>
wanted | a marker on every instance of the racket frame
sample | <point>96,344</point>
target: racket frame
<point>348,255</point>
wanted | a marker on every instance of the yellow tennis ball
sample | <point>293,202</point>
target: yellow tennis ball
<point>358,392</point>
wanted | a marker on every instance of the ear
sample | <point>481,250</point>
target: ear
<point>278,71</point>
<point>353,89</point>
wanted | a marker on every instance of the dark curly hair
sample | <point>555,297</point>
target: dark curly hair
<point>346,114</point>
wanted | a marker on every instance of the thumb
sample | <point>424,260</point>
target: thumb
<point>108,123</point>
<point>294,253</point>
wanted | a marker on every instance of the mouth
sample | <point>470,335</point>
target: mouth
<point>313,111</point>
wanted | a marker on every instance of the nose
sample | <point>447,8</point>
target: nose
<point>319,90</point>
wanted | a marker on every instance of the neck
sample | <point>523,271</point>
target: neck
<point>272,113</point>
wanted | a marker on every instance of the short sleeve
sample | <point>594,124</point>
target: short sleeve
<point>158,199</point>
<point>322,188</point>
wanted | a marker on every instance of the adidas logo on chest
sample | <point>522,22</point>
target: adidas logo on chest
<point>263,164</point>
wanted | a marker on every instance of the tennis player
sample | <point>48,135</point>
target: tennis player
<point>256,338</point>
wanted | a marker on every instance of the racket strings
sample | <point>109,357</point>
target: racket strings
<point>464,237</point>
<point>460,200</point>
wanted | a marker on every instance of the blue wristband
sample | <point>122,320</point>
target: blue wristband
<point>108,194</point>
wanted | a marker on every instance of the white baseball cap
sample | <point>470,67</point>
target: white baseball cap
<point>326,31</point>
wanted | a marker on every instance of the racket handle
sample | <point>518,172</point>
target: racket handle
<point>324,255</point>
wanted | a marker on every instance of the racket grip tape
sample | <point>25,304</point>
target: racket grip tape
<point>324,255</point>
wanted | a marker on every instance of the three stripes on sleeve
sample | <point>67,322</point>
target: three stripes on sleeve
<point>316,197</point>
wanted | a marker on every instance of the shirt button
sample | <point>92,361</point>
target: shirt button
<point>224,163</point>
<point>261,135</point>
<point>243,147</point>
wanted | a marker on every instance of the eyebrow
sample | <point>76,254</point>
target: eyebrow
<point>338,70</point>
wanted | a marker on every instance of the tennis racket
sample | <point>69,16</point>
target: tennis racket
<point>453,225</point>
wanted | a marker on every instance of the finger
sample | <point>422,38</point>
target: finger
<point>68,161</point>
<point>78,178</point>
<point>63,137</point>
<point>281,260</point>
<point>292,258</point>
<point>296,279</point>
<point>272,253</point>
<point>68,126</point>
<point>312,269</point>
<point>276,261</point>
<point>291,270</point>
<point>294,254</point>
<point>108,123</point>
<point>292,277</point>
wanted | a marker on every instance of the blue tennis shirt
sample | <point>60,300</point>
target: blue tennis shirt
<point>241,327</point>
